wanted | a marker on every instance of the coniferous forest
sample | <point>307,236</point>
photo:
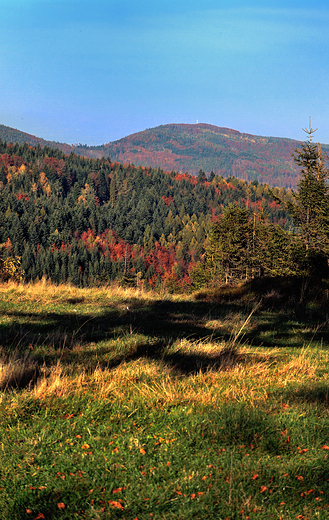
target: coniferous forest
<point>93,221</point>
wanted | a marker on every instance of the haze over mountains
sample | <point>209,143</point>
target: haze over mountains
<point>191,148</point>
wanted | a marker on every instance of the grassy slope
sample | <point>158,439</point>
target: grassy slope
<point>147,406</point>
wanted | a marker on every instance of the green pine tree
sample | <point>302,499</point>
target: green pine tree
<point>310,205</point>
<point>310,208</point>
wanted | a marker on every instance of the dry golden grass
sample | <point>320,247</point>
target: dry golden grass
<point>303,365</point>
<point>224,370</point>
<point>44,290</point>
<point>250,380</point>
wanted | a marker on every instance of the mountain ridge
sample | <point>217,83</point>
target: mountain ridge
<point>189,148</point>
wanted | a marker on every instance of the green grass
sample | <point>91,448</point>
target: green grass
<point>121,404</point>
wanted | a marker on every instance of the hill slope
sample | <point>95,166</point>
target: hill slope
<point>11,135</point>
<point>189,148</point>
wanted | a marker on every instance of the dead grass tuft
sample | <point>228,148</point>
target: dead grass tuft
<point>54,382</point>
<point>17,372</point>
<point>303,365</point>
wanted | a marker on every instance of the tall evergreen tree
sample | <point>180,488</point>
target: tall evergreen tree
<point>310,208</point>
<point>310,205</point>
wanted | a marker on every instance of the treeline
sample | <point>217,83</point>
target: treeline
<point>91,221</point>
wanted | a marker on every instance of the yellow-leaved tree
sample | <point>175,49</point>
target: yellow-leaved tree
<point>10,266</point>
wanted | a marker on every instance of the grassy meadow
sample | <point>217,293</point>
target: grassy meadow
<point>122,404</point>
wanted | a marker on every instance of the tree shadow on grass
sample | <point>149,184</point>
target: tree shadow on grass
<point>77,338</point>
<point>180,363</point>
<point>279,330</point>
<point>158,320</point>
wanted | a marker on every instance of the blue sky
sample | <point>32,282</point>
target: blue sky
<point>93,71</point>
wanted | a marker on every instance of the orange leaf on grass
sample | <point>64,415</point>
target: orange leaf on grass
<point>40,516</point>
<point>85,446</point>
<point>61,505</point>
<point>254,477</point>
<point>28,511</point>
<point>142,451</point>
<point>115,450</point>
<point>114,503</point>
<point>192,496</point>
<point>118,490</point>
<point>263,488</point>
<point>325,447</point>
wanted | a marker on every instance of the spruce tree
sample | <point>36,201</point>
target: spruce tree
<point>310,208</point>
<point>310,205</point>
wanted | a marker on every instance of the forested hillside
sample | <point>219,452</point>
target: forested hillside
<point>226,152</point>
<point>90,221</point>
<point>189,148</point>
